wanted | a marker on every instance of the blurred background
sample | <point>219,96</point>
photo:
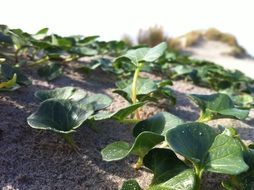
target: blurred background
<point>113,19</point>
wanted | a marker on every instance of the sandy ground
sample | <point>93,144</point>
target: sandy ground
<point>216,51</point>
<point>32,160</point>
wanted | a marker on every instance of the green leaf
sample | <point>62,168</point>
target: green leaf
<point>7,71</point>
<point>99,101</point>
<point>41,34</point>
<point>68,92</point>
<point>143,143</point>
<point>83,51</point>
<point>131,185</point>
<point>160,123</point>
<point>192,140</point>
<point>243,181</point>
<point>243,101</point>
<point>120,114</point>
<point>87,40</point>
<point>154,53</point>
<point>147,90</point>
<point>183,181</point>
<point>217,106</point>
<point>225,156</point>
<point>9,85</point>
<point>139,55</point>
<point>59,115</point>
<point>164,164</point>
<point>50,71</point>
<point>198,143</point>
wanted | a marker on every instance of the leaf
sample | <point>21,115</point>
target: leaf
<point>59,115</point>
<point>156,52</point>
<point>68,92</point>
<point>139,55</point>
<point>118,115</point>
<point>198,143</point>
<point>243,101</point>
<point>99,101</point>
<point>10,85</point>
<point>243,181</point>
<point>87,40</point>
<point>83,51</point>
<point>183,181</point>
<point>192,140</point>
<point>217,106</point>
<point>164,164</point>
<point>7,71</point>
<point>160,123</point>
<point>225,156</point>
<point>50,71</point>
<point>147,90</point>
<point>143,143</point>
<point>131,185</point>
<point>41,34</point>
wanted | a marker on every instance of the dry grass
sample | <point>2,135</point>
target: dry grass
<point>174,43</point>
<point>155,35</point>
<point>151,36</point>
<point>192,38</point>
<point>127,40</point>
<point>229,39</point>
<point>216,35</point>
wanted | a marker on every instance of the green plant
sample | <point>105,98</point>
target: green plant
<point>147,133</point>
<point>63,110</point>
<point>139,57</point>
<point>50,71</point>
<point>146,90</point>
<point>216,106</point>
<point>202,150</point>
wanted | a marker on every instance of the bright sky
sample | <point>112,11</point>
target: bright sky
<point>112,18</point>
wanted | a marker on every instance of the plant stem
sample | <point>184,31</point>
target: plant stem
<point>68,138</point>
<point>198,174</point>
<point>139,163</point>
<point>204,117</point>
<point>244,146</point>
<point>134,90</point>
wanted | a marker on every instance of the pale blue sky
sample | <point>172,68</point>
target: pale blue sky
<point>112,18</point>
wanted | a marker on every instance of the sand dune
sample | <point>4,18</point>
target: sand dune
<point>216,52</point>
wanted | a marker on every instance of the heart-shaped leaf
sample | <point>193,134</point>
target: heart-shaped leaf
<point>160,123</point>
<point>143,143</point>
<point>198,143</point>
<point>217,106</point>
<point>192,140</point>
<point>139,55</point>
<point>59,115</point>
<point>243,181</point>
<point>50,71</point>
<point>225,156</point>
<point>68,92</point>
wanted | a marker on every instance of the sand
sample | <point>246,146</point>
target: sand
<point>31,159</point>
<point>217,52</point>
